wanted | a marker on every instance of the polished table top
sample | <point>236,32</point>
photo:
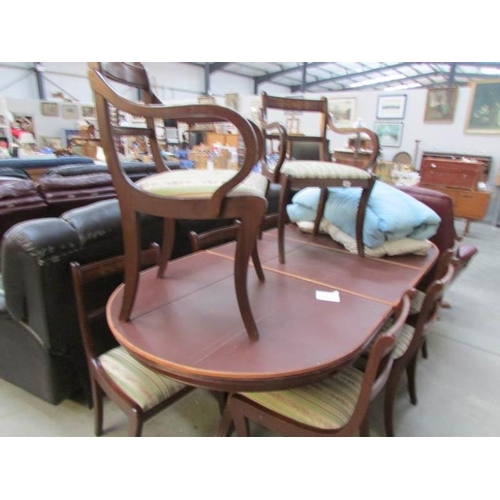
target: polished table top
<point>189,327</point>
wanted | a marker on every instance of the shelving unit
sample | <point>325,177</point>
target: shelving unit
<point>5,133</point>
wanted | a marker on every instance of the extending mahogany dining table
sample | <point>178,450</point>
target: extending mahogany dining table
<point>188,325</point>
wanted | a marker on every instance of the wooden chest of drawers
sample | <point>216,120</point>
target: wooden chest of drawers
<point>445,172</point>
<point>468,204</point>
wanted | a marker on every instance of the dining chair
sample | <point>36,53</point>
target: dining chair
<point>321,173</point>
<point>424,311</point>
<point>335,406</point>
<point>137,390</point>
<point>177,194</point>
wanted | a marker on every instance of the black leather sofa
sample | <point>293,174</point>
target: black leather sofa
<point>40,347</point>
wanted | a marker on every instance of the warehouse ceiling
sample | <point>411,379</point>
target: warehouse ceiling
<point>337,76</point>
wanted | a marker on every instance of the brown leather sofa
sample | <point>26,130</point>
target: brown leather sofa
<point>40,347</point>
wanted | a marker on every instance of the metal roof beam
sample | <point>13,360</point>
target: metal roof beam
<point>295,88</point>
<point>269,76</point>
<point>217,66</point>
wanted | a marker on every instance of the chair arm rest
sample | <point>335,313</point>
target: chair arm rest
<point>359,130</point>
<point>274,175</point>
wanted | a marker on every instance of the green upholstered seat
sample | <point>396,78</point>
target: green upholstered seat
<point>146,387</point>
<point>328,404</point>
<point>201,183</point>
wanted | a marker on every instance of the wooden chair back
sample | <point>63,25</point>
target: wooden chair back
<point>110,102</point>
<point>88,282</point>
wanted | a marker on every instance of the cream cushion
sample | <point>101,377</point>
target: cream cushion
<point>322,170</point>
<point>146,387</point>
<point>394,247</point>
<point>201,183</point>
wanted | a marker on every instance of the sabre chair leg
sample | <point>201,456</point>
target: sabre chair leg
<point>424,349</point>
<point>245,246</point>
<point>411,370</point>
<point>132,248</point>
<point>167,246</point>
<point>389,397</point>
<point>321,210</point>
<point>258,265</point>
<point>97,395</point>
<point>360,217</point>
<point>134,425</point>
<point>282,217</point>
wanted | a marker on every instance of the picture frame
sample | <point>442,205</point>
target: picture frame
<point>343,111</point>
<point>389,133</point>
<point>391,107</point>
<point>483,115</point>
<point>70,111</point>
<point>292,125</point>
<point>232,101</point>
<point>206,99</point>
<point>440,105</point>
<point>88,111</point>
<point>49,108</point>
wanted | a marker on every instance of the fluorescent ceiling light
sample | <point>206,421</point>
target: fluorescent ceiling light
<point>374,81</point>
<point>404,87</point>
<point>489,71</point>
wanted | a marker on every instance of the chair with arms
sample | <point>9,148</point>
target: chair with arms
<point>140,392</point>
<point>322,173</point>
<point>179,194</point>
<point>423,313</point>
<point>336,406</point>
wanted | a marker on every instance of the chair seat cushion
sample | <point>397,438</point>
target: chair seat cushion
<point>322,170</point>
<point>328,404</point>
<point>201,183</point>
<point>146,387</point>
<point>417,302</point>
<point>404,338</point>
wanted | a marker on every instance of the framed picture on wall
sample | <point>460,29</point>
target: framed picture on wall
<point>389,133</point>
<point>70,111</point>
<point>88,111</point>
<point>391,106</point>
<point>343,111</point>
<point>440,105</point>
<point>232,101</point>
<point>484,108</point>
<point>49,108</point>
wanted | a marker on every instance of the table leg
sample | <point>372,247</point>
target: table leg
<point>226,426</point>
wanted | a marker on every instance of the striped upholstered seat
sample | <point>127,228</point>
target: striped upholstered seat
<point>201,183</point>
<point>404,338</point>
<point>417,302</point>
<point>322,170</point>
<point>146,387</point>
<point>328,404</point>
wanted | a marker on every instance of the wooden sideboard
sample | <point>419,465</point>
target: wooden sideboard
<point>458,176</point>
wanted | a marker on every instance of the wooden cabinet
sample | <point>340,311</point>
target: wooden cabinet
<point>224,139</point>
<point>450,173</point>
<point>458,176</point>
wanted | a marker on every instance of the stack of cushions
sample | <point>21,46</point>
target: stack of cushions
<point>395,222</point>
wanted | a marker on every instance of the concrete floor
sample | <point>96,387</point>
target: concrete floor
<point>458,386</point>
